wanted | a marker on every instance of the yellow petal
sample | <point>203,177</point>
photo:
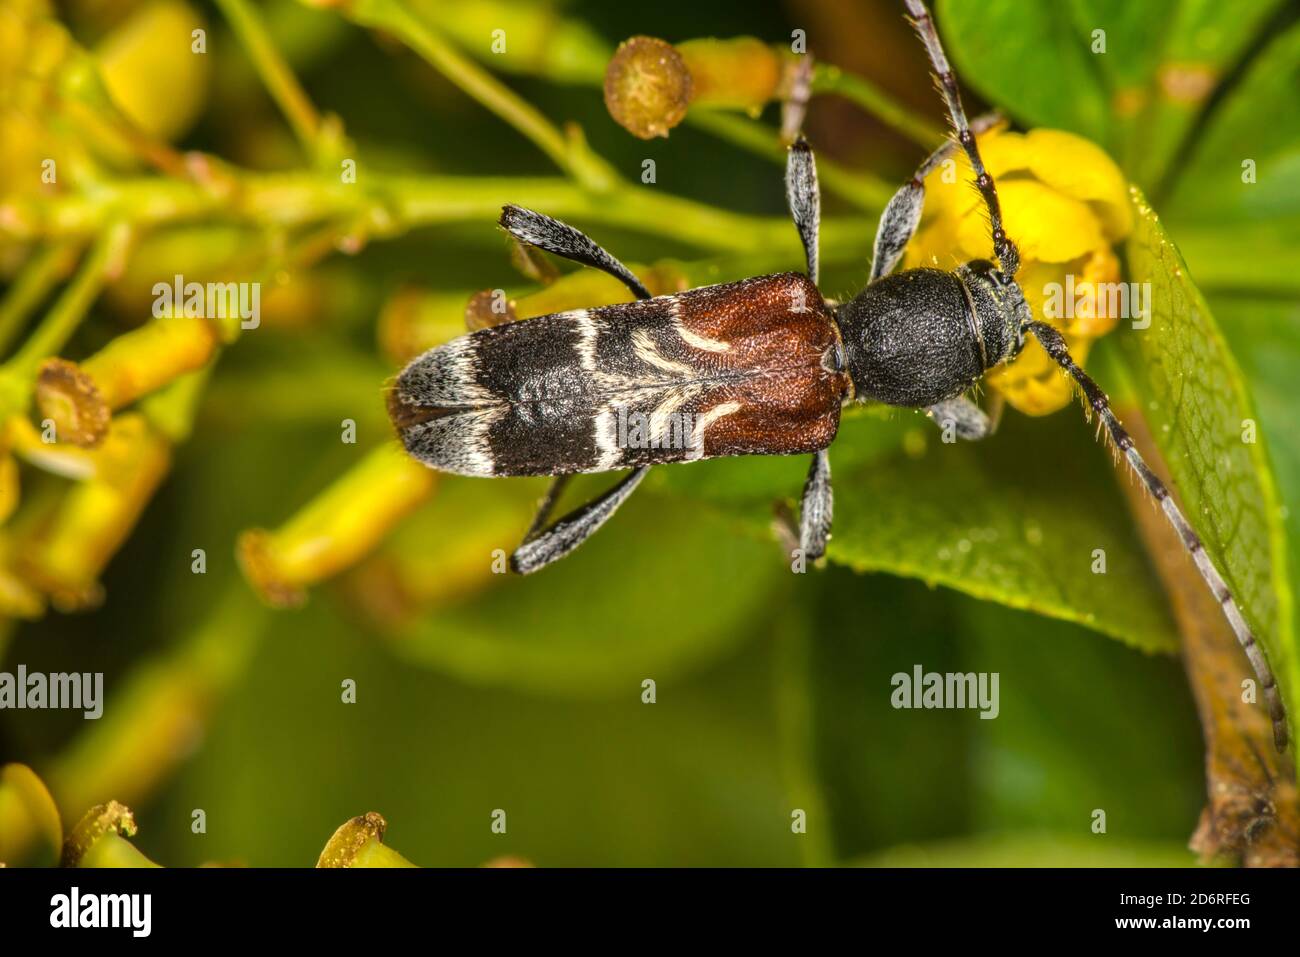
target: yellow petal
<point>1036,280</point>
<point>1046,225</point>
<point>151,70</point>
<point>1034,384</point>
<point>1096,314</point>
<point>1081,169</point>
<point>934,246</point>
<point>950,188</point>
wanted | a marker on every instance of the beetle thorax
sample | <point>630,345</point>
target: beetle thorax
<point>921,336</point>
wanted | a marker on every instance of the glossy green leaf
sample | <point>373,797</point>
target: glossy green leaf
<point>1265,337</point>
<point>1030,60</point>
<point>1016,519</point>
<point>1194,397</point>
<point>1245,167</point>
<point>1133,77</point>
<point>1164,62</point>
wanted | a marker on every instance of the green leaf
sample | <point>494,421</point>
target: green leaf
<point>1030,60</point>
<point>1192,393</point>
<point>1164,61</point>
<point>1235,207</point>
<point>1255,257</point>
<point>1259,121</point>
<point>1265,336</point>
<point>1015,519</point>
<point>1133,77</point>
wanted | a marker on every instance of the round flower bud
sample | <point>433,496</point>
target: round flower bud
<point>647,87</point>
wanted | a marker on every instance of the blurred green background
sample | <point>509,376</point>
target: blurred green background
<point>772,689</point>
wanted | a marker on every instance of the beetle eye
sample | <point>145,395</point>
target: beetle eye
<point>835,358</point>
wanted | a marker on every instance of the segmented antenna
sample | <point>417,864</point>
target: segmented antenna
<point>1054,343</point>
<point>1003,248</point>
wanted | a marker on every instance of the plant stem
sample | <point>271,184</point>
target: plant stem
<point>391,205</point>
<point>478,83</point>
<point>864,190</point>
<point>859,90</point>
<point>275,73</point>
<point>62,320</point>
<point>33,284</point>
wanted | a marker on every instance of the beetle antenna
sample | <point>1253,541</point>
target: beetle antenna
<point>1054,344</point>
<point>1007,255</point>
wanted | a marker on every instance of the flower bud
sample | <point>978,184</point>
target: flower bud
<point>336,529</point>
<point>650,84</point>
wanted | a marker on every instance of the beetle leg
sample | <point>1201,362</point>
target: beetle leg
<point>804,199</point>
<point>899,221</point>
<point>816,509</point>
<point>547,505</point>
<point>563,240</point>
<point>544,545</point>
<point>967,419</point>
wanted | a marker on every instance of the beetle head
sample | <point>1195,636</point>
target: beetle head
<point>1001,312</point>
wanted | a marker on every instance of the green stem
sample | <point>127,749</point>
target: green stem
<point>29,289</point>
<point>415,32</point>
<point>62,320</point>
<point>275,73</point>
<point>391,205</point>
<point>864,190</point>
<point>859,90</point>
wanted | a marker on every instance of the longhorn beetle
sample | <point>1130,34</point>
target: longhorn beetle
<point>755,367</point>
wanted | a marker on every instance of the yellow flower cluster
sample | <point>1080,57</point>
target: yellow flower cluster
<point>1065,203</point>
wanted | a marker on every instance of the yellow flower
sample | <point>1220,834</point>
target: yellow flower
<point>1065,204</point>
<point>337,528</point>
<point>154,68</point>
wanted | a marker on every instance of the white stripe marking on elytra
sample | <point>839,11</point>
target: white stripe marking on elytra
<point>588,333</point>
<point>698,341</point>
<point>706,419</point>
<point>645,350</point>
<point>689,336</point>
<point>661,417</point>
<point>605,425</point>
